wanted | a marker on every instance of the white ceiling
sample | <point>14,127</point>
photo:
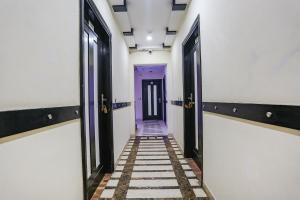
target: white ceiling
<point>149,17</point>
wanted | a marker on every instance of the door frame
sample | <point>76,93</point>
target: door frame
<point>189,141</point>
<point>89,10</point>
<point>164,97</point>
<point>161,107</point>
<point>135,85</point>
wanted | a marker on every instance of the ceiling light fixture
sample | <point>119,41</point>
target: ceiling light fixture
<point>149,37</point>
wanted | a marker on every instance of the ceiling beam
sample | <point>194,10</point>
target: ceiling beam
<point>166,46</point>
<point>168,32</point>
<point>178,7</point>
<point>120,8</point>
<point>130,33</point>
<point>135,47</point>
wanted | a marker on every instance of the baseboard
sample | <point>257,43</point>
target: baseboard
<point>209,194</point>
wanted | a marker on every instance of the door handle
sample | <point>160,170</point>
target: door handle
<point>190,102</point>
<point>189,105</point>
<point>104,108</point>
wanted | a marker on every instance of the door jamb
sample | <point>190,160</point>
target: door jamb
<point>164,99</point>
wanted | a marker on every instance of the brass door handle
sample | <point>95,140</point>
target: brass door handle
<point>104,108</point>
<point>189,105</point>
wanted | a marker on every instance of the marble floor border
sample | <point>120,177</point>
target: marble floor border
<point>123,184</point>
<point>185,187</point>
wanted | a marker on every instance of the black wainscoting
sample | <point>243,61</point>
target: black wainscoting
<point>119,105</point>
<point>177,103</point>
<point>14,122</point>
<point>280,115</point>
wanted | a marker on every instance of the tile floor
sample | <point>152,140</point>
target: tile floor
<point>152,168</point>
<point>151,128</point>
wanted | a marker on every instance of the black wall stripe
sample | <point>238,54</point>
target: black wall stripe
<point>13,122</point>
<point>177,103</point>
<point>119,105</point>
<point>280,115</point>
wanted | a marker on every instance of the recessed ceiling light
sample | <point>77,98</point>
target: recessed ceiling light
<point>149,37</point>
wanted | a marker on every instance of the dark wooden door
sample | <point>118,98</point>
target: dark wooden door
<point>96,98</point>
<point>192,85</point>
<point>152,99</point>
<point>96,107</point>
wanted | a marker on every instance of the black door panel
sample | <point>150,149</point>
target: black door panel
<point>152,99</point>
<point>192,95</point>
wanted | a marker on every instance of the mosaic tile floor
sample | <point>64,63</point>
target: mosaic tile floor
<point>152,168</point>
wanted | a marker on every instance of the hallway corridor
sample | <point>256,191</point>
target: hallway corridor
<point>150,99</point>
<point>152,168</point>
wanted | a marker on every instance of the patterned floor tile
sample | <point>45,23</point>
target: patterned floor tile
<point>152,168</point>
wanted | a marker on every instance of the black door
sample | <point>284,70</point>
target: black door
<point>152,99</point>
<point>193,128</point>
<point>96,98</point>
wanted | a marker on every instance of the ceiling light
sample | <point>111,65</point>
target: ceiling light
<point>149,37</point>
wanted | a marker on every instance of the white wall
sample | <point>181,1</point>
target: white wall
<point>250,54</point>
<point>250,161</point>
<point>156,58</point>
<point>35,46</point>
<point>120,75</point>
<point>45,165</point>
<point>39,67</point>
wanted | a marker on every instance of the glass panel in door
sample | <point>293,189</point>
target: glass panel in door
<point>155,99</point>
<point>196,98</point>
<point>96,104</point>
<point>86,104</point>
<point>149,101</point>
<point>91,102</point>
